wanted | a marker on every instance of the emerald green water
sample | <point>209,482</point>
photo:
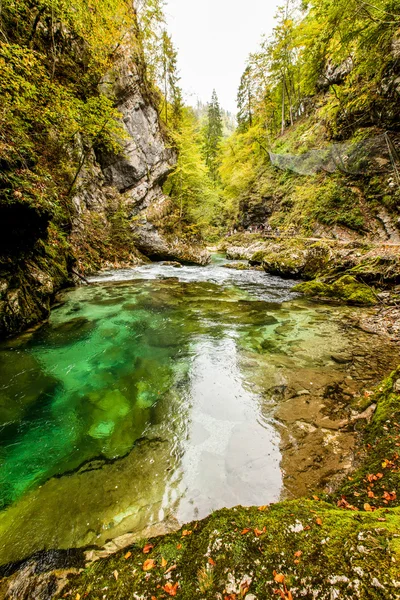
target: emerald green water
<point>139,404</point>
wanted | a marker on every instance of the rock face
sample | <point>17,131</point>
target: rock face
<point>112,192</point>
<point>146,159</point>
<point>133,179</point>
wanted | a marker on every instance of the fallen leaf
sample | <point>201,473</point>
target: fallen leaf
<point>128,555</point>
<point>149,564</point>
<point>164,563</point>
<point>179,546</point>
<point>170,588</point>
<point>259,532</point>
<point>262,508</point>
<point>186,532</point>
<point>246,530</point>
<point>315,497</point>
<point>307,528</point>
<point>147,548</point>
<point>382,519</point>
<point>211,562</point>
<point>172,568</point>
<point>115,573</point>
<point>78,597</point>
<point>298,553</point>
<point>371,495</point>
<point>389,496</point>
<point>387,464</point>
<point>296,561</point>
<point>278,577</point>
<point>318,521</point>
<point>153,598</point>
<point>367,507</point>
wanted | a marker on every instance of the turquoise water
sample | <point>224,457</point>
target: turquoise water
<point>138,404</point>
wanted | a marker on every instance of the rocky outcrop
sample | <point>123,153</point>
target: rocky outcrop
<point>115,194</point>
<point>147,157</point>
<point>131,181</point>
<point>158,247</point>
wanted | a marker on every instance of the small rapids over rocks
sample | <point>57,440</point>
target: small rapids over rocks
<point>159,394</point>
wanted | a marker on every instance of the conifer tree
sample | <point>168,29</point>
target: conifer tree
<point>169,76</point>
<point>213,136</point>
<point>245,101</point>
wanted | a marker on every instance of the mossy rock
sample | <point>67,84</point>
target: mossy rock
<point>319,552</point>
<point>345,289</point>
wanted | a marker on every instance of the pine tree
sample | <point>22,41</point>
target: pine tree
<point>213,132</point>
<point>170,77</point>
<point>245,101</point>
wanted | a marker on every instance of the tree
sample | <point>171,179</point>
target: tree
<point>170,78</point>
<point>189,185</point>
<point>213,132</point>
<point>245,100</point>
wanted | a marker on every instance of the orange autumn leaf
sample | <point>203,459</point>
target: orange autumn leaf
<point>318,521</point>
<point>179,546</point>
<point>259,532</point>
<point>278,577</point>
<point>371,494</point>
<point>164,562</point>
<point>389,496</point>
<point>368,507</point>
<point>186,532</point>
<point>298,553</point>
<point>315,498</point>
<point>262,508</point>
<point>149,564</point>
<point>211,562</point>
<point>128,555</point>
<point>171,588</point>
<point>246,530</point>
<point>147,548</point>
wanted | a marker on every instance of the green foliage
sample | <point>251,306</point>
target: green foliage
<point>194,195</point>
<point>212,134</point>
<point>52,56</point>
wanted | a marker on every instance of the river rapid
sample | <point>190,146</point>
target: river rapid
<point>158,394</point>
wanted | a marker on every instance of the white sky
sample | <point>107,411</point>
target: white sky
<point>214,38</point>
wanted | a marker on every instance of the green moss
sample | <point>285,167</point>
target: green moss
<point>379,468</point>
<point>318,548</point>
<point>346,289</point>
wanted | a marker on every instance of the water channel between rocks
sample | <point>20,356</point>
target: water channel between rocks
<point>156,395</point>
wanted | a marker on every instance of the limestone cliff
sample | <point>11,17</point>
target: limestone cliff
<point>110,213</point>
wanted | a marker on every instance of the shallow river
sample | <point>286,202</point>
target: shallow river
<point>152,397</point>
